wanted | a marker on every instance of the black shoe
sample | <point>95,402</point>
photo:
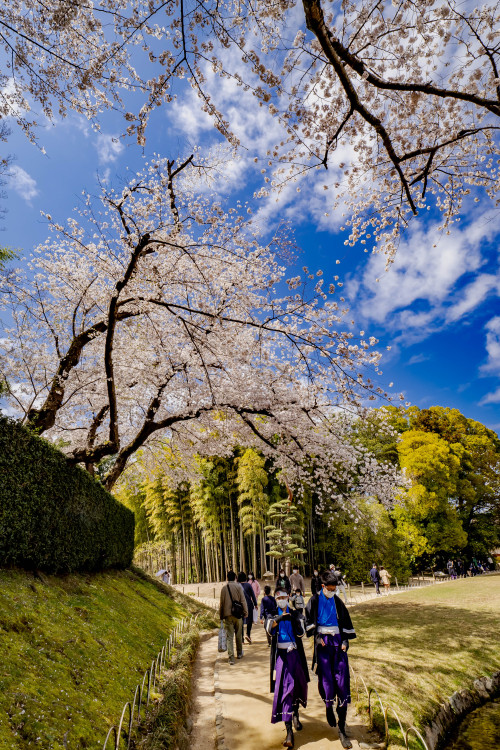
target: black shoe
<point>344,740</point>
<point>231,660</point>
<point>289,735</point>
<point>240,656</point>
<point>297,724</point>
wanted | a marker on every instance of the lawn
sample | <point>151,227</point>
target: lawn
<point>420,646</point>
<point>72,650</point>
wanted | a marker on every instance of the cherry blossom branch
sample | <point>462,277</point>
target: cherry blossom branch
<point>43,418</point>
<point>316,23</point>
<point>314,16</point>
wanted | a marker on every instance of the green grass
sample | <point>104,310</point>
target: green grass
<point>418,647</point>
<point>72,650</point>
<point>165,728</point>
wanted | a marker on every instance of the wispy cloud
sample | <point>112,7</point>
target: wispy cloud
<point>23,183</point>
<point>109,147</point>
<point>492,364</point>
<point>418,358</point>
<point>434,281</point>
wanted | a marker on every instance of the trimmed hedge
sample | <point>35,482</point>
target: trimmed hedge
<point>55,517</point>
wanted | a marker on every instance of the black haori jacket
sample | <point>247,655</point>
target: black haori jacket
<point>299,631</point>
<point>347,631</point>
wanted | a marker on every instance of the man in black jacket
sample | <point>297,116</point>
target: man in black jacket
<point>328,620</point>
<point>375,578</point>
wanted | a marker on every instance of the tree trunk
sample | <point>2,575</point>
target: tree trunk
<point>242,550</point>
<point>263,563</point>
<point>207,561</point>
<point>184,550</point>
<point>233,537</point>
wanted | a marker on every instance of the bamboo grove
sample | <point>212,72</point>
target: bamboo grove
<point>240,514</point>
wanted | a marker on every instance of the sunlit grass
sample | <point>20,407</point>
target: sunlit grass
<point>417,648</point>
<point>72,650</point>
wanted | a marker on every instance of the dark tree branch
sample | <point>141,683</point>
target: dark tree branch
<point>44,418</point>
<point>139,251</point>
<point>316,23</point>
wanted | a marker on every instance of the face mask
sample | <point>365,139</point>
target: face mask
<point>282,572</point>
<point>328,594</point>
<point>250,578</point>
<point>282,603</point>
<point>315,572</point>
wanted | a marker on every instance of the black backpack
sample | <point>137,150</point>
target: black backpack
<point>236,607</point>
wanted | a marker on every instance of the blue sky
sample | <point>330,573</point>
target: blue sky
<point>437,307</point>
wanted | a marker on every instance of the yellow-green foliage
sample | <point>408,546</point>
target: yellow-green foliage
<point>425,517</point>
<point>420,646</point>
<point>252,481</point>
<point>73,649</point>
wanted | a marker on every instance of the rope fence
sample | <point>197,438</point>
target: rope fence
<point>370,691</point>
<point>120,736</point>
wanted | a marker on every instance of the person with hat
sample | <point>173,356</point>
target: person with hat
<point>329,622</point>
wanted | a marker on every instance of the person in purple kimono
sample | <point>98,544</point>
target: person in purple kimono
<point>289,672</point>
<point>328,620</point>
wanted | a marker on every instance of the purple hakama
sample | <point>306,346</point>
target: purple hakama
<point>333,672</point>
<point>291,686</point>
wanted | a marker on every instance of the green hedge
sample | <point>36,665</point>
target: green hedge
<point>55,517</point>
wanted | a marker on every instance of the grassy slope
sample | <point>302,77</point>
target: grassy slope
<point>418,647</point>
<point>72,650</point>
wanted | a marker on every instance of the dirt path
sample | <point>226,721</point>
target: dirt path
<point>244,699</point>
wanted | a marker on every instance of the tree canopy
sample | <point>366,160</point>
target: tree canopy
<point>160,311</point>
<point>356,78</point>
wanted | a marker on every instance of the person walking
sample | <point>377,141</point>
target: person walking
<point>341,584</point>
<point>288,661</point>
<point>298,600</point>
<point>375,578</point>
<point>254,584</point>
<point>329,621</point>
<point>315,582</point>
<point>232,608</point>
<point>385,577</point>
<point>251,601</point>
<point>296,581</point>
<point>282,581</point>
<point>268,607</point>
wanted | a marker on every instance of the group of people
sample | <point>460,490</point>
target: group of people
<point>287,620</point>
<point>459,569</point>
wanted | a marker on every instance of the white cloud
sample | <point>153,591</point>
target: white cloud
<point>492,364</point>
<point>418,358</point>
<point>491,398</point>
<point>109,147</point>
<point>473,295</point>
<point>433,281</point>
<point>259,132</point>
<point>23,183</point>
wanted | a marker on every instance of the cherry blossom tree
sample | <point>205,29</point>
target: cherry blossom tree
<point>407,93</point>
<point>158,312</point>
